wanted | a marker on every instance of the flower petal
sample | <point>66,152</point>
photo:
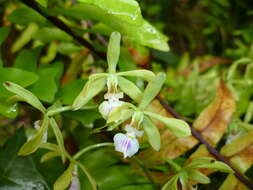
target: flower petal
<point>125,144</point>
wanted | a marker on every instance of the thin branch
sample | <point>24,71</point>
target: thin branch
<point>211,149</point>
<point>32,4</point>
<point>58,23</point>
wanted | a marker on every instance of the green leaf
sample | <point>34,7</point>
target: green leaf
<point>152,133</point>
<point>69,92</point>
<point>19,172</point>
<point>43,3</point>
<point>183,178</point>
<point>21,77</point>
<point>4,32</point>
<point>171,184</point>
<point>207,162</point>
<point>27,59</point>
<point>91,89</point>
<point>64,180</point>
<point>25,94</point>
<point>141,73</point>
<point>198,177</point>
<point>24,16</point>
<point>59,138</point>
<point>32,145</point>
<point>25,37</point>
<point>86,117</point>
<point>49,156</point>
<point>113,51</point>
<point>126,10</point>
<point>143,34</point>
<point>48,34</point>
<point>7,109</point>
<point>177,127</point>
<point>130,89</point>
<point>46,87</point>
<point>152,90</point>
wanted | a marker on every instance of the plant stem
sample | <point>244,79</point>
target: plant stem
<point>86,149</point>
<point>211,149</point>
<point>60,24</point>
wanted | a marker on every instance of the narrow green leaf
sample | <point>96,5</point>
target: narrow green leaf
<point>171,184</point>
<point>142,73</point>
<point>25,94</point>
<point>32,145</point>
<point>59,138</point>
<point>65,179</point>
<point>199,177</point>
<point>25,37</point>
<point>91,89</point>
<point>152,133</point>
<point>49,156</point>
<point>207,162</point>
<point>113,51</point>
<point>183,178</point>
<point>152,90</point>
<point>130,89</point>
<point>178,127</point>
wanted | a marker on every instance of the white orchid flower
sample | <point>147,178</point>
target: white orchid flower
<point>112,102</point>
<point>127,143</point>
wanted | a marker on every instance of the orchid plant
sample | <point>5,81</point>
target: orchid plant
<point>117,112</point>
<point>135,116</point>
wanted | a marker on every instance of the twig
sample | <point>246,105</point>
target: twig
<point>57,22</point>
<point>211,149</point>
<point>32,4</point>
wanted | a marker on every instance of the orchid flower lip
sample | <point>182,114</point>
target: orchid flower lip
<point>127,143</point>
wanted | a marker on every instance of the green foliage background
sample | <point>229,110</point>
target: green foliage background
<point>208,40</point>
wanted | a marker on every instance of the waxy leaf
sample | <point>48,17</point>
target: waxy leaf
<point>144,33</point>
<point>152,133</point>
<point>113,51</point>
<point>130,89</point>
<point>32,145</point>
<point>91,89</point>
<point>127,10</point>
<point>18,172</point>
<point>152,90</point>
<point>25,94</point>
